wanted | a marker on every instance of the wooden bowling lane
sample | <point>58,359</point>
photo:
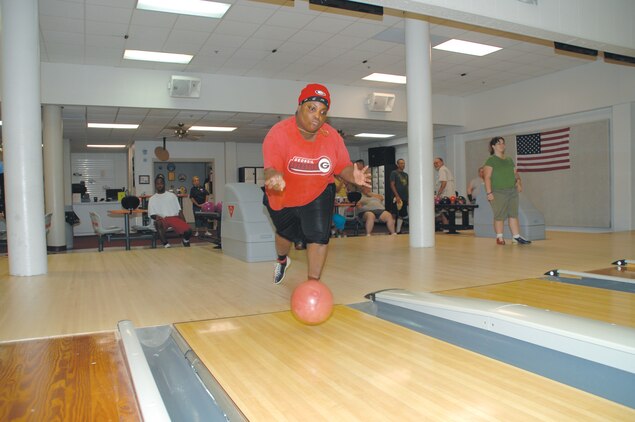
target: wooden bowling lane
<point>358,367</point>
<point>589,302</point>
<point>624,272</point>
<point>79,378</point>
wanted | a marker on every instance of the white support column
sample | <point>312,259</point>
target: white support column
<point>231,160</point>
<point>22,138</point>
<point>54,175</point>
<point>420,138</point>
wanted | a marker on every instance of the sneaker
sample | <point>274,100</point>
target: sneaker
<point>500,241</point>
<point>208,234</point>
<point>280,271</point>
<point>166,245</point>
<point>520,241</point>
<point>195,234</point>
<point>186,243</point>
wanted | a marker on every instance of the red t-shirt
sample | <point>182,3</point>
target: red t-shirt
<point>307,166</point>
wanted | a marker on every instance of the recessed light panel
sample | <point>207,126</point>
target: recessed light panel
<point>155,56</point>
<point>112,126</point>
<point>385,77</point>
<point>467,47</point>
<point>208,9</point>
<point>213,128</point>
<point>374,135</point>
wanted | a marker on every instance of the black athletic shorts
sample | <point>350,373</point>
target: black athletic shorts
<point>311,222</point>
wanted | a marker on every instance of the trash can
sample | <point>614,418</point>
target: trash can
<point>71,220</point>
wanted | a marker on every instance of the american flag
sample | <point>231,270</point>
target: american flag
<point>546,151</point>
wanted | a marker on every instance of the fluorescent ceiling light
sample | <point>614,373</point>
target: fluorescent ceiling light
<point>385,77</point>
<point>209,9</point>
<point>112,126</point>
<point>155,56</point>
<point>374,135</point>
<point>467,47</point>
<point>214,128</point>
<point>105,146</point>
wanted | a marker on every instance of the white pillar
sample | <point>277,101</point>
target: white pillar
<point>22,138</point>
<point>420,138</point>
<point>54,175</point>
<point>231,163</point>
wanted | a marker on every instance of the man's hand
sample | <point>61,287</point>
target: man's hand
<point>275,182</point>
<point>362,177</point>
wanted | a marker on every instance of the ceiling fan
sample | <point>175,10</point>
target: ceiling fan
<point>181,132</point>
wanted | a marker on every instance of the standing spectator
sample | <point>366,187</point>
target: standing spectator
<point>399,187</point>
<point>165,210</point>
<point>445,186</point>
<point>198,196</point>
<point>502,185</point>
<point>301,156</point>
<point>474,187</point>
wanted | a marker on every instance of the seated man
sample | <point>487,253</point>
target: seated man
<point>165,210</point>
<point>370,208</point>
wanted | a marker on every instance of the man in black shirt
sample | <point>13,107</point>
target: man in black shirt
<point>198,196</point>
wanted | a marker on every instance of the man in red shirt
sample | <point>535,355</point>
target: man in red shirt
<point>301,156</point>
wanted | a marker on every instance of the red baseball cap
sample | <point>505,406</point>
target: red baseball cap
<point>315,92</point>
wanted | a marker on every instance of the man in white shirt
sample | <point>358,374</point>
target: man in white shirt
<point>165,210</point>
<point>445,184</point>
<point>445,187</point>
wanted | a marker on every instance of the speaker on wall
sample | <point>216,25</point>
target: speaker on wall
<point>184,86</point>
<point>379,101</point>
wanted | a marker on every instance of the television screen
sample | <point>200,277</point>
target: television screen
<point>111,194</point>
<point>78,188</point>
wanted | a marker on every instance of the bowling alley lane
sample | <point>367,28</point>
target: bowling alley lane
<point>359,367</point>
<point>624,272</point>
<point>601,304</point>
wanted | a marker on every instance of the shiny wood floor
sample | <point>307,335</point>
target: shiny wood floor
<point>91,291</point>
<point>76,378</point>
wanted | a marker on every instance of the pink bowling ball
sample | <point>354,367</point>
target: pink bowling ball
<point>207,207</point>
<point>312,302</point>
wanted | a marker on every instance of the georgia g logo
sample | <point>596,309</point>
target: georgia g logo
<point>324,165</point>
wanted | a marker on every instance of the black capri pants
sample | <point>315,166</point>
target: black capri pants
<point>311,222</point>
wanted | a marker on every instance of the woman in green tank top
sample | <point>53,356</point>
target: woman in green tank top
<point>502,185</point>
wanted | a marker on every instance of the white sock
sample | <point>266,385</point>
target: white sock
<point>499,235</point>
<point>399,224</point>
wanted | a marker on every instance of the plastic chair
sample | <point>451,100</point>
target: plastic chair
<point>102,232</point>
<point>351,213</point>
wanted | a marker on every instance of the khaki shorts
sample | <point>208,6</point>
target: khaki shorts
<point>505,204</point>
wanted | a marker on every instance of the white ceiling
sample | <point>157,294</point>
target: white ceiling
<point>310,43</point>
